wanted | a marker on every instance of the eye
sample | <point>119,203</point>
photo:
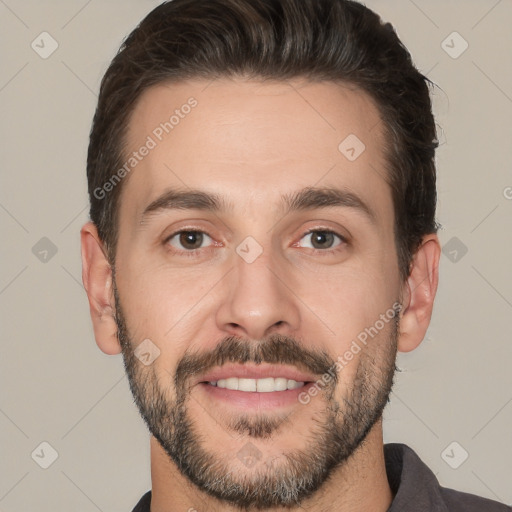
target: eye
<point>189,240</point>
<point>321,239</point>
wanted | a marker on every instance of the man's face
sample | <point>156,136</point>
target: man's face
<point>273,285</point>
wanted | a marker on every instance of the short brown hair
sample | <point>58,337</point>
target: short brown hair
<point>331,40</point>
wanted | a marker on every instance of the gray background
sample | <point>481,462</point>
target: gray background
<point>56,385</point>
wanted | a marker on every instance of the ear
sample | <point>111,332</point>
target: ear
<point>418,294</point>
<point>97,279</point>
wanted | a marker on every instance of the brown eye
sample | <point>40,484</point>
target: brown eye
<point>188,240</point>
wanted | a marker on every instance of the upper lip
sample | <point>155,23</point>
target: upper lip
<point>251,371</point>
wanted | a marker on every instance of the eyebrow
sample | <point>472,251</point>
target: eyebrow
<point>308,198</point>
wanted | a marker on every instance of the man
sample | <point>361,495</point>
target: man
<point>263,241</point>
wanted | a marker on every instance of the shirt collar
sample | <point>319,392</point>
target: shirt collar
<point>412,483</point>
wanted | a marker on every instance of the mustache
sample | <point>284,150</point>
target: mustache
<point>275,349</point>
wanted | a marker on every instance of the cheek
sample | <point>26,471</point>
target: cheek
<point>368,357</point>
<point>154,291</point>
<point>357,313</point>
<point>166,306</point>
<point>349,300</point>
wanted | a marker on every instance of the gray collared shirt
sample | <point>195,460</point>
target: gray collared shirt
<point>414,486</point>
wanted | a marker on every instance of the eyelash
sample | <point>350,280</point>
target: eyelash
<point>194,252</point>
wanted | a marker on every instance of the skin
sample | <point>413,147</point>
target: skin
<point>252,142</point>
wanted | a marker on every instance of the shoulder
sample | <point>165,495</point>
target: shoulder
<point>413,483</point>
<point>144,503</point>
<point>457,501</point>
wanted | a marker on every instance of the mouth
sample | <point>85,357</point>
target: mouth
<point>262,378</point>
<point>265,385</point>
<point>255,386</point>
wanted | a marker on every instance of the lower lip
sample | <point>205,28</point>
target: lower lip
<point>253,399</point>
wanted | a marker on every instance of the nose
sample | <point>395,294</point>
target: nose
<point>258,301</point>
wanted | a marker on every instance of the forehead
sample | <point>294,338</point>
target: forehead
<point>254,140</point>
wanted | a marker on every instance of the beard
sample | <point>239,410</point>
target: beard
<point>336,432</point>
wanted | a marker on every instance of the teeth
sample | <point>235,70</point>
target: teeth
<point>266,385</point>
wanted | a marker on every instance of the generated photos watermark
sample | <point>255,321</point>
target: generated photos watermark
<point>152,140</point>
<point>355,347</point>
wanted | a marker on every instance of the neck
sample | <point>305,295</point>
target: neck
<point>359,485</point>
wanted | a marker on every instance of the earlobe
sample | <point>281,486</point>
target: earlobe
<point>421,287</point>
<point>97,279</point>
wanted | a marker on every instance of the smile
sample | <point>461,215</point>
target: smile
<point>266,385</point>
